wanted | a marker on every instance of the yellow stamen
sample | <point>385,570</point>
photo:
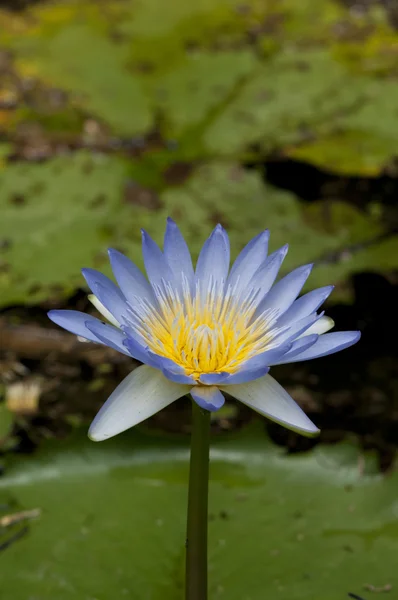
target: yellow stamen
<point>207,332</point>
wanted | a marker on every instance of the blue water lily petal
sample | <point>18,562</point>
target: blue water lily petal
<point>75,322</point>
<point>213,261</point>
<point>107,292</point>
<point>131,281</point>
<point>298,346</point>
<point>176,253</point>
<point>264,277</point>
<point>155,263</point>
<point>298,328</point>
<point>284,293</point>
<point>210,398</point>
<point>246,374</point>
<point>138,351</point>
<point>267,397</point>
<point>249,260</point>
<point>214,378</point>
<point>328,343</point>
<point>304,306</point>
<point>108,335</point>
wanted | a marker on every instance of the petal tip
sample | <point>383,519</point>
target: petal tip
<point>89,275</point>
<point>93,436</point>
<point>112,252</point>
<point>53,314</point>
<point>219,229</point>
<point>311,432</point>
<point>95,433</point>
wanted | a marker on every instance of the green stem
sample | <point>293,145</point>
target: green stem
<point>196,543</point>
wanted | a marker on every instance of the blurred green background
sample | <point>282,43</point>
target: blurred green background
<point>279,114</point>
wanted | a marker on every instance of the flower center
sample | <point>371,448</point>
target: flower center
<point>205,333</point>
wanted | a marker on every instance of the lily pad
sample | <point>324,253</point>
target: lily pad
<point>312,82</point>
<point>288,98</point>
<point>205,81</point>
<point>113,521</point>
<point>55,217</point>
<point>63,215</point>
<point>95,74</point>
<point>348,153</point>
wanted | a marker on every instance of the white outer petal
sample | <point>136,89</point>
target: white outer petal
<point>140,395</point>
<point>270,399</point>
<point>321,326</point>
<point>102,310</point>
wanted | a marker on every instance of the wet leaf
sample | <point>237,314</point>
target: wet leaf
<point>56,217</point>
<point>113,521</point>
<point>95,74</point>
<point>350,153</point>
<point>203,83</point>
<point>63,215</point>
<point>287,99</point>
<point>312,82</point>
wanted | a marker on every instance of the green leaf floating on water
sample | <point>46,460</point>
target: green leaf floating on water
<point>56,217</point>
<point>112,521</point>
<point>315,82</point>
<point>62,215</point>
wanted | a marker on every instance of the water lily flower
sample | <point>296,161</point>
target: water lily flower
<point>204,331</point>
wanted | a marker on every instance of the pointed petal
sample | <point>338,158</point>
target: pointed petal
<point>93,277</point>
<point>213,378</point>
<point>285,291</point>
<point>249,260</point>
<point>268,398</point>
<point>298,346</point>
<point>263,279</point>
<point>266,358</point>
<point>129,277</point>
<point>75,322</point>
<point>329,343</point>
<point>208,397</point>
<point>176,253</point>
<point>108,335</point>
<point>137,350</point>
<point>102,310</point>
<point>170,369</point>
<point>305,305</point>
<point>107,293</point>
<point>213,261</point>
<point>165,363</point>
<point>140,395</point>
<point>298,328</point>
<point>178,377</point>
<point>155,263</point>
<point>116,305</point>
<point>246,374</point>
